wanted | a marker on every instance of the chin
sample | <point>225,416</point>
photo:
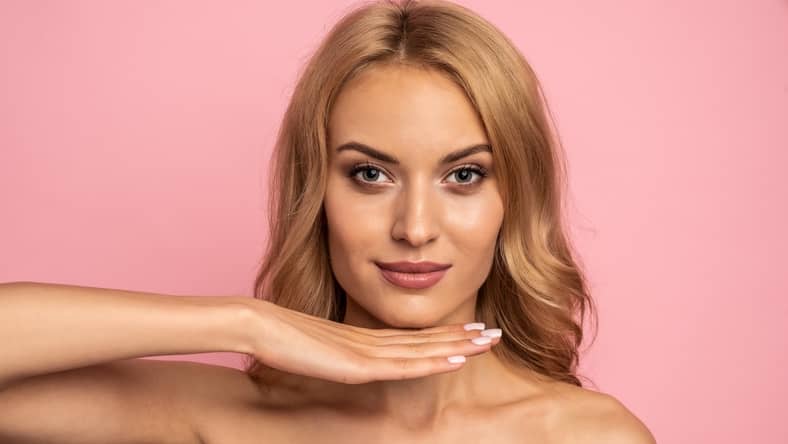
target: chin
<point>411,315</point>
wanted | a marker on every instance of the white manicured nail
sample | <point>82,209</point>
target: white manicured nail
<point>481,340</point>
<point>474,326</point>
<point>456,359</point>
<point>492,332</point>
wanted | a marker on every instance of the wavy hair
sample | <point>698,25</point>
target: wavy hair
<point>536,291</point>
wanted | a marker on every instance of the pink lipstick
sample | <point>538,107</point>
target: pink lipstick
<point>413,275</point>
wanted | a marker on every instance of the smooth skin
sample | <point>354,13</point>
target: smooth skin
<point>67,372</point>
<point>380,376</point>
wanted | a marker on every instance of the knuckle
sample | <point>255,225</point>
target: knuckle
<point>359,374</point>
<point>366,348</point>
<point>415,346</point>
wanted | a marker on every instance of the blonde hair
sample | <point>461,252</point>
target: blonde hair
<point>535,287</point>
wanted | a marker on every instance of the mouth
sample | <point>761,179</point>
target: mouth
<point>410,275</point>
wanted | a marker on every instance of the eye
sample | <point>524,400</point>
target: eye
<point>465,174</point>
<point>367,174</point>
<point>368,171</point>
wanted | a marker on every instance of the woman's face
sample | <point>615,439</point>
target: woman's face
<point>411,206</point>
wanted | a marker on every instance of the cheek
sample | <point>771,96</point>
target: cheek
<point>473,224</point>
<point>355,230</point>
<point>353,226</point>
<point>472,227</point>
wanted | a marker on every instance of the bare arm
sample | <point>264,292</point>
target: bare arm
<point>51,327</point>
<point>67,372</point>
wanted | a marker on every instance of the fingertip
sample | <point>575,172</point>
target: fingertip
<point>457,359</point>
<point>473,326</point>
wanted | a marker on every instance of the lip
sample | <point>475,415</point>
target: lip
<point>412,267</point>
<point>412,275</point>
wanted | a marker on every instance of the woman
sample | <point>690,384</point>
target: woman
<point>415,221</point>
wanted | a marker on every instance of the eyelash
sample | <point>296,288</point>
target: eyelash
<point>482,172</point>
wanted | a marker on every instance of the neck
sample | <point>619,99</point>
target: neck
<point>424,400</point>
<point>481,380</point>
<point>484,381</point>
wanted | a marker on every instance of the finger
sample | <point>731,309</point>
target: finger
<point>432,349</point>
<point>361,334</point>
<point>430,337</point>
<point>397,346</point>
<point>370,331</point>
<point>418,331</point>
<point>405,368</point>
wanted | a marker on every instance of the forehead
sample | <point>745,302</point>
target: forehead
<point>401,108</point>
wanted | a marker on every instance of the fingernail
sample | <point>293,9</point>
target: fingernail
<point>481,340</point>
<point>456,359</point>
<point>492,332</point>
<point>474,326</point>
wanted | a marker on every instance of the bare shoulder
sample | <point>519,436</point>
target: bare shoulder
<point>193,381</point>
<point>124,401</point>
<point>195,388</point>
<point>194,391</point>
<point>213,381</point>
<point>591,417</point>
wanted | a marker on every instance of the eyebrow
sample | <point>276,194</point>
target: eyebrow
<point>383,157</point>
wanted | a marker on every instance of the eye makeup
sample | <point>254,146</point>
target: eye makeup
<point>365,167</point>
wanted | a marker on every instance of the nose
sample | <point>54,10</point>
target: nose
<point>416,216</point>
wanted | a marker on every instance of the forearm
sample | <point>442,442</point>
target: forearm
<point>51,327</point>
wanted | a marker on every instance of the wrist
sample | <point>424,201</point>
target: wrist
<point>227,323</point>
<point>244,317</point>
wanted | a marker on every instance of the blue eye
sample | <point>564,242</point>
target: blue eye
<point>371,173</point>
<point>469,171</point>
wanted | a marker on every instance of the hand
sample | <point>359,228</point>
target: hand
<point>307,345</point>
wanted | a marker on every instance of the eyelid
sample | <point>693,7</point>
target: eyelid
<point>359,167</point>
<point>475,168</point>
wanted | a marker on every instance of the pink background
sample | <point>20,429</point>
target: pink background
<point>134,139</point>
